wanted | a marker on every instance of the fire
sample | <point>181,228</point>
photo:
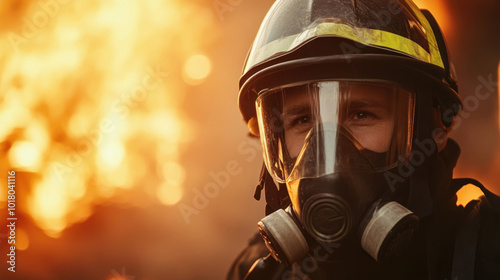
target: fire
<point>90,105</point>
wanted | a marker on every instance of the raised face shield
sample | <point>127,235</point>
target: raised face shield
<point>318,128</point>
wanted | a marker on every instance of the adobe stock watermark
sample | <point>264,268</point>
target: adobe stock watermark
<point>121,108</point>
<point>310,264</point>
<point>486,88</point>
<point>417,157</point>
<point>219,181</point>
<point>47,10</point>
<point>222,7</point>
<point>483,91</point>
<point>121,276</point>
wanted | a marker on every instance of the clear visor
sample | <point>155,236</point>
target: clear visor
<point>313,129</point>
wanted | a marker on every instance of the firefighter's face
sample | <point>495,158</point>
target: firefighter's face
<point>366,112</point>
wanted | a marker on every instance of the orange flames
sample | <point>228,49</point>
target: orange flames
<point>90,105</point>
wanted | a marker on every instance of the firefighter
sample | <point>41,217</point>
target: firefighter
<point>353,101</point>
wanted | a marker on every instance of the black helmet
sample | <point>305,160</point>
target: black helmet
<point>383,40</point>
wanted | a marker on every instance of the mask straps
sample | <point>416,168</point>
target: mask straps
<point>260,186</point>
<point>276,198</point>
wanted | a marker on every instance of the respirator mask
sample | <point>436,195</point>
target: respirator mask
<point>330,142</point>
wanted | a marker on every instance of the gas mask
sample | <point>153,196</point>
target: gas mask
<point>330,142</point>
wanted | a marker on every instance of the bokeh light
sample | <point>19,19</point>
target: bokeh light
<point>24,155</point>
<point>22,239</point>
<point>196,68</point>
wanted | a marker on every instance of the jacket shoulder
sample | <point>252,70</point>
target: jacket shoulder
<point>487,265</point>
<point>255,250</point>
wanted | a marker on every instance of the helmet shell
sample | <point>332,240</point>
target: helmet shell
<point>389,41</point>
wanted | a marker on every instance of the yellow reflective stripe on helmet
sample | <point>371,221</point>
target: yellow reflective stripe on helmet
<point>431,38</point>
<point>364,36</point>
<point>375,37</point>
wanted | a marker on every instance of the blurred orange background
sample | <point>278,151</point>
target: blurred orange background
<point>131,158</point>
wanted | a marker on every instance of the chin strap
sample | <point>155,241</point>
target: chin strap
<point>276,198</point>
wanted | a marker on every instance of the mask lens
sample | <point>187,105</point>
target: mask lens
<point>306,128</point>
